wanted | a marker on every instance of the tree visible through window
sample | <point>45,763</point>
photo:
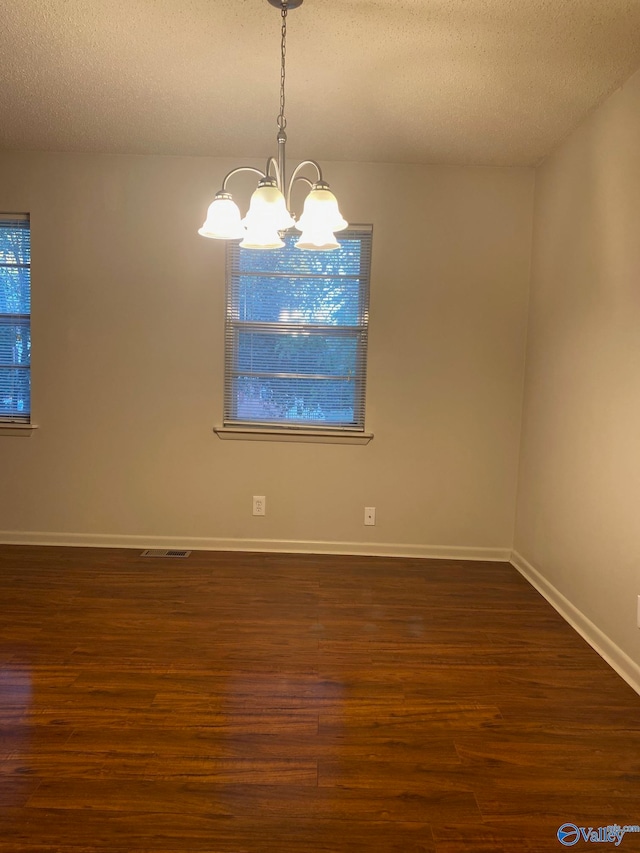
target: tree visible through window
<point>15,318</point>
<point>296,334</point>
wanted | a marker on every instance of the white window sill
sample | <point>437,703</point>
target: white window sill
<point>15,428</point>
<point>309,436</point>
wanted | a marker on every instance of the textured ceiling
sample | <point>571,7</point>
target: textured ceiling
<point>416,81</point>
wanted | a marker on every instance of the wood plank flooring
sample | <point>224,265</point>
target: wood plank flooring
<point>254,703</point>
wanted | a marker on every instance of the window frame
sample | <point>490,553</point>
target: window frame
<point>12,423</point>
<point>297,429</point>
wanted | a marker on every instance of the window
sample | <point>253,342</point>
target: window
<point>296,335</point>
<point>15,318</point>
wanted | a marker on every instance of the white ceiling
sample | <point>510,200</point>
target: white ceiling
<point>414,81</point>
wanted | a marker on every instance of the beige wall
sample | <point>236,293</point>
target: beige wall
<point>579,490</point>
<point>127,365</point>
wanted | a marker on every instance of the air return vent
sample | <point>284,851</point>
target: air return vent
<point>163,552</point>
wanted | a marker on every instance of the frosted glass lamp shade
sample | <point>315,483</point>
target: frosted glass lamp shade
<point>261,237</point>
<point>318,240</point>
<point>321,211</point>
<point>223,219</point>
<point>268,208</point>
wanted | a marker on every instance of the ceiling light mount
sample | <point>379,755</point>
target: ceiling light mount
<point>269,210</point>
<point>290,4</point>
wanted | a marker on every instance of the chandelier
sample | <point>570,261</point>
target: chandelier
<point>269,212</point>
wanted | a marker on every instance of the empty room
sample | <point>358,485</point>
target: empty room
<point>319,418</point>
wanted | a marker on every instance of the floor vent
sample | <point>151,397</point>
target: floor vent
<point>163,552</point>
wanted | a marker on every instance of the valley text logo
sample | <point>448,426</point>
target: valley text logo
<point>569,834</point>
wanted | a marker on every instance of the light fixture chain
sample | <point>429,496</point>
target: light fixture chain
<point>282,122</point>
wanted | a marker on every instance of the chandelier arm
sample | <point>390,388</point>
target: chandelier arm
<point>294,177</point>
<point>241,169</point>
<point>272,163</point>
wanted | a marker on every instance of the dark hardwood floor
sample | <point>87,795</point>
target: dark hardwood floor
<point>246,703</point>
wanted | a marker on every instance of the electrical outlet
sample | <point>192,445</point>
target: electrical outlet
<point>369,516</point>
<point>259,505</point>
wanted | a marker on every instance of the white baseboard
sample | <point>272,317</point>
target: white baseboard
<point>597,639</point>
<point>286,546</point>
